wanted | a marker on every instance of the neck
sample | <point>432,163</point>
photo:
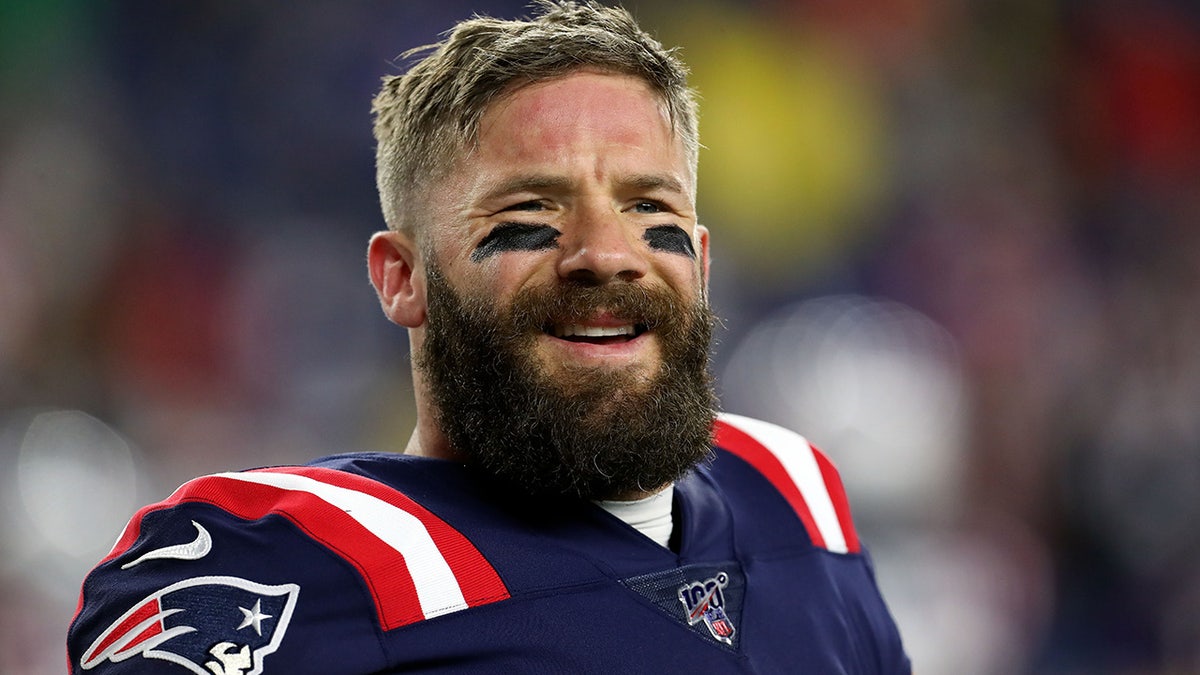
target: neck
<point>427,438</point>
<point>650,515</point>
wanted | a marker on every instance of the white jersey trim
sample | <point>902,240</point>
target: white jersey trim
<point>796,455</point>
<point>437,589</point>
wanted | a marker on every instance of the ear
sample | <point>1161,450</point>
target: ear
<point>398,277</point>
<point>702,247</point>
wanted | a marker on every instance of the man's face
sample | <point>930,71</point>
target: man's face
<point>566,346</point>
<point>578,178</point>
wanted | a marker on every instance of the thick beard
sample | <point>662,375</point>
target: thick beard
<point>594,433</point>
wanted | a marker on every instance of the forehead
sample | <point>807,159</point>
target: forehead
<point>583,108</point>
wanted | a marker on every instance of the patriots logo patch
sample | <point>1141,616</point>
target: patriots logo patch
<point>212,625</point>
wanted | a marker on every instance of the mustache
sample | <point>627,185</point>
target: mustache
<point>540,308</point>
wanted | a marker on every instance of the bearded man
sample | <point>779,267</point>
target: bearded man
<point>570,501</point>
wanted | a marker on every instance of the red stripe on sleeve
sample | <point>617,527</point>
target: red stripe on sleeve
<point>478,580</point>
<point>757,455</point>
<point>837,494</point>
<point>382,567</point>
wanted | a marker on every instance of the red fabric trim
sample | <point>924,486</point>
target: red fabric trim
<point>837,494</point>
<point>382,568</point>
<point>761,458</point>
<point>476,577</point>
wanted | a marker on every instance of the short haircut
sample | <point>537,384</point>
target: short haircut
<point>427,119</point>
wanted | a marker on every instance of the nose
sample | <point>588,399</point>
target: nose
<point>599,247</point>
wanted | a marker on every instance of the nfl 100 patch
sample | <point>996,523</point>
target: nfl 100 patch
<point>706,598</point>
<point>704,601</point>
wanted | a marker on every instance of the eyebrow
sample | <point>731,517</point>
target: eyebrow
<point>652,181</point>
<point>545,182</point>
<point>528,183</point>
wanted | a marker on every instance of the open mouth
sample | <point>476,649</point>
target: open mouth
<point>600,335</point>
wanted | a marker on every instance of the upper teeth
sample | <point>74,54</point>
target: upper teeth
<point>592,331</point>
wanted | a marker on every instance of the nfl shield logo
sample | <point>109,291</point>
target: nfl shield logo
<point>705,601</point>
<point>721,627</point>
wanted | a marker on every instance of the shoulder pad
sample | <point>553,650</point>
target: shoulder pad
<point>802,474</point>
<point>416,565</point>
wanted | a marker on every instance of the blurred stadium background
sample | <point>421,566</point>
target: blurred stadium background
<point>957,244</point>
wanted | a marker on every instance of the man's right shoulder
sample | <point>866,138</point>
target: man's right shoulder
<point>227,558</point>
<point>800,473</point>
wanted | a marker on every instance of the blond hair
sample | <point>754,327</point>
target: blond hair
<point>428,118</point>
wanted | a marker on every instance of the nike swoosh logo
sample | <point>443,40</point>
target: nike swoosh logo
<point>193,550</point>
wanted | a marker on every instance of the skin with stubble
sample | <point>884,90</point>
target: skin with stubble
<point>556,299</point>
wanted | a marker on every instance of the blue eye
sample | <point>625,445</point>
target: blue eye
<point>531,205</point>
<point>648,207</point>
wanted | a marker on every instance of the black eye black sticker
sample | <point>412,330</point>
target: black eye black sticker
<point>516,237</point>
<point>670,238</point>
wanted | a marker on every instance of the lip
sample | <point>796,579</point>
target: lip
<point>589,330</point>
<point>610,353</point>
<point>602,325</point>
<point>605,319</point>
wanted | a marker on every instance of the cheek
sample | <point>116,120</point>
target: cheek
<point>683,275</point>
<point>501,276</point>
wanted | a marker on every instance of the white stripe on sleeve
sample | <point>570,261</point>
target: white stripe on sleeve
<point>437,588</point>
<point>796,456</point>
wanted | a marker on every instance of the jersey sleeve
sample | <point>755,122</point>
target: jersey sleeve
<point>298,569</point>
<point>800,472</point>
<point>809,483</point>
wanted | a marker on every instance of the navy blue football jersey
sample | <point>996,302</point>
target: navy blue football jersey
<point>385,563</point>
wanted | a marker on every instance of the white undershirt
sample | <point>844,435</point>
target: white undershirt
<point>650,515</point>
